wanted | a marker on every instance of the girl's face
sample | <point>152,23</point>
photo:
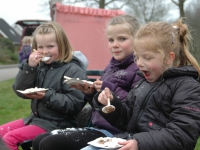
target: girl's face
<point>150,63</point>
<point>47,46</point>
<point>120,42</point>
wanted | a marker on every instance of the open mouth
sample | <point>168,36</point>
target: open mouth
<point>146,74</point>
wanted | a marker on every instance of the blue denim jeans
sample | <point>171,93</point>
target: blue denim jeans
<point>90,147</point>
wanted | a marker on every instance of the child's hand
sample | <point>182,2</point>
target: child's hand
<point>83,88</point>
<point>34,58</point>
<point>37,95</point>
<point>104,95</point>
<point>98,85</point>
<point>129,145</point>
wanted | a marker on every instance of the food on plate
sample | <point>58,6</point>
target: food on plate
<point>106,142</point>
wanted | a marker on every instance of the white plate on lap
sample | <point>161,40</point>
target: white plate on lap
<point>106,142</point>
<point>32,90</point>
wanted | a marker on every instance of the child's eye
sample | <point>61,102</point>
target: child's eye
<point>147,58</point>
<point>50,46</point>
<point>39,47</point>
<point>110,40</point>
<point>122,39</point>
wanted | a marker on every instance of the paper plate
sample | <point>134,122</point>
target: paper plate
<point>32,90</point>
<point>106,142</point>
<point>73,81</point>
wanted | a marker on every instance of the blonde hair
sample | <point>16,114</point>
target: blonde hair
<point>26,40</point>
<point>132,23</point>
<point>164,38</point>
<point>64,47</point>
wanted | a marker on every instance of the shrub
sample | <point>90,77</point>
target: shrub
<point>8,52</point>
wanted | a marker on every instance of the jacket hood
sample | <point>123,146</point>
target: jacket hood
<point>82,59</point>
<point>181,71</point>
<point>175,72</point>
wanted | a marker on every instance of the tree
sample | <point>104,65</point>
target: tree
<point>110,4</point>
<point>180,5</point>
<point>192,18</point>
<point>145,10</point>
<point>149,10</point>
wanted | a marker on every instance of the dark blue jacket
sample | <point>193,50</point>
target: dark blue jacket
<point>119,77</point>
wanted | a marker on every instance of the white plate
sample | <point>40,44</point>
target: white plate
<point>106,142</point>
<point>73,81</point>
<point>32,90</point>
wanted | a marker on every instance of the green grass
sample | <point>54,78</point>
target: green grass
<point>12,107</point>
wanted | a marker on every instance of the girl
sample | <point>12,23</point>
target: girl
<point>56,108</point>
<point>119,76</point>
<point>162,112</point>
<point>25,50</point>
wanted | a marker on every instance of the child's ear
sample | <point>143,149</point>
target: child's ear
<point>170,58</point>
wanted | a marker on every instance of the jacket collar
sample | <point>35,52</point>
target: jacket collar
<point>128,60</point>
<point>181,71</point>
<point>176,72</point>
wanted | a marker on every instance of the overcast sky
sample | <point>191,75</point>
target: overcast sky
<point>14,10</point>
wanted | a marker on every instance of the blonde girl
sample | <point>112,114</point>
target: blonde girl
<point>119,75</point>
<point>162,112</point>
<point>57,108</point>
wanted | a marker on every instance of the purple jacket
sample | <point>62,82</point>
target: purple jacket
<point>119,77</point>
<point>24,53</point>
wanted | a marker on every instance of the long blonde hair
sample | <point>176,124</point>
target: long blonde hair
<point>164,38</point>
<point>64,47</point>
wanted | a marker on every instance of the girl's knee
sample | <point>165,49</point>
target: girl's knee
<point>10,138</point>
<point>11,141</point>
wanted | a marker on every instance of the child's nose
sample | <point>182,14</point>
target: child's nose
<point>115,44</point>
<point>45,51</point>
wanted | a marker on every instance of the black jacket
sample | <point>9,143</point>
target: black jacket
<point>164,115</point>
<point>61,104</point>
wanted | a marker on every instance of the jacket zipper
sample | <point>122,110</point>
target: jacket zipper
<point>144,104</point>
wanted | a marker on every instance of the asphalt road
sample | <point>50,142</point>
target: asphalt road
<point>8,72</point>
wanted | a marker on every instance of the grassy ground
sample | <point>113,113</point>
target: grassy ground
<point>13,107</point>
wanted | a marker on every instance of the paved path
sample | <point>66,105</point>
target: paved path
<point>8,72</point>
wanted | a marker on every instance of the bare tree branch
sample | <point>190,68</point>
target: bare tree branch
<point>148,10</point>
<point>175,2</point>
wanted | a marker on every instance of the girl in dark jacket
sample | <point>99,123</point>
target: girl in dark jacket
<point>57,108</point>
<point>120,76</point>
<point>162,112</point>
